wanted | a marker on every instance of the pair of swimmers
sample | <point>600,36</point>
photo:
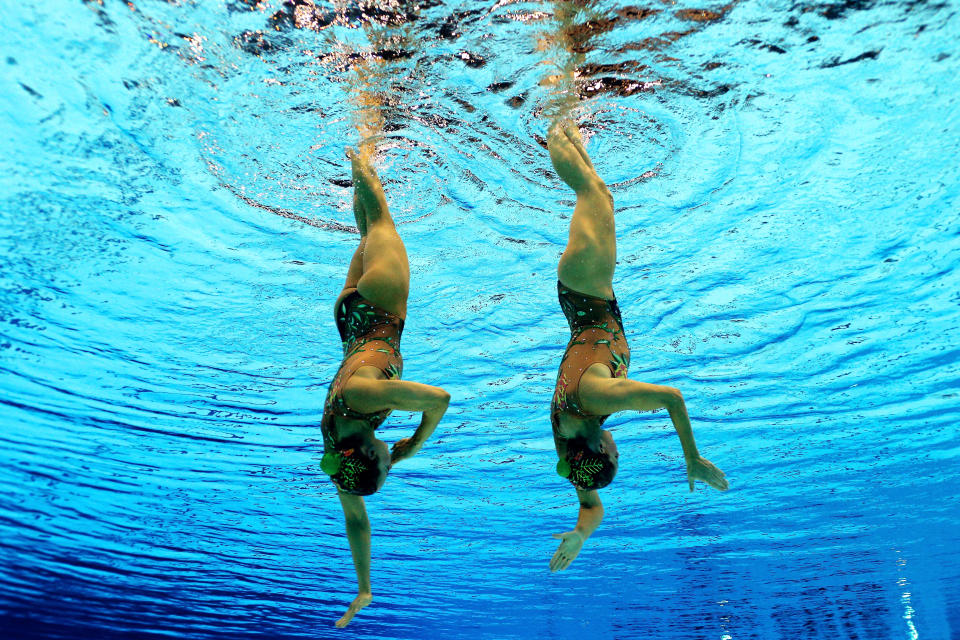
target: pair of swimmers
<point>592,382</point>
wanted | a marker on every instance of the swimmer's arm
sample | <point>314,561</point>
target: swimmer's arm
<point>656,396</point>
<point>358,535</point>
<point>371,396</point>
<point>588,519</point>
<point>433,401</point>
<point>591,513</point>
<point>608,395</point>
<point>602,396</point>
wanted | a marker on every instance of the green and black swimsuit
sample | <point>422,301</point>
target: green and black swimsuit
<point>596,335</point>
<point>371,338</point>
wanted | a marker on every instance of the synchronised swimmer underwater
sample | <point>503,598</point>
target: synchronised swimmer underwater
<point>592,381</point>
<point>594,252</point>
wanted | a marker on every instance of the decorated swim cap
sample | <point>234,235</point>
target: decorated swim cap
<point>351,470</point>
<point>587,470</point>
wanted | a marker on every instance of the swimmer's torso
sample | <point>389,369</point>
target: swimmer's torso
<point>371,338</point>
<point>596,336</point>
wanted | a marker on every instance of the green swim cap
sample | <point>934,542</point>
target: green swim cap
<point>563,468</point>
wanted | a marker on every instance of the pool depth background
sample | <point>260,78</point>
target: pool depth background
<point>175,225</point>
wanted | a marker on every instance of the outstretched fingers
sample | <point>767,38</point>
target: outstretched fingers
<point>718,481</point>
<point>716,478</point>
<point>570,544</point>
<point>703,469</point>
<point>560,559</point>
<point>559,562</point>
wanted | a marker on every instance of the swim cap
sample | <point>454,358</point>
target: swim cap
<point>587,469</point>
<point>353,471</point>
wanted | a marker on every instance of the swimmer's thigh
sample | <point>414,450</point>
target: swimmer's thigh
<point>386,272</point>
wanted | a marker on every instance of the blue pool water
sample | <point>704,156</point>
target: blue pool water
<point>175,223</point>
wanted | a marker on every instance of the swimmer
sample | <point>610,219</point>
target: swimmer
<point>369,314</point>
<point>592,382</point>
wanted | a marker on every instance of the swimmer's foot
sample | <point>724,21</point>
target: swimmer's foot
<point>573,134</point>
<point>572,165</point>
<point>359,215</point>
<point>367,190</point>
<point>358,603</point>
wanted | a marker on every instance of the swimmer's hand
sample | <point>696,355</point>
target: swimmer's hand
<point>699,468</point>
<point>413,396</point>
<point>403,449</point>
<point>358,603</point>
<point>568,550</point>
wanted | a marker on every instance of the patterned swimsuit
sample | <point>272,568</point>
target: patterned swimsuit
<point>371,337</point>
<point>596,335</point>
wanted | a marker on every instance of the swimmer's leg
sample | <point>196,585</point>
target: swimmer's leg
<point>358,534</point>
<point>385,279</point>
<point>359,215</point>
<point>588,262</point>
<point>355,271</point>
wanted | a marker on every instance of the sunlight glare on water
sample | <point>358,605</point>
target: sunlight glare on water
<point>175,225</point>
